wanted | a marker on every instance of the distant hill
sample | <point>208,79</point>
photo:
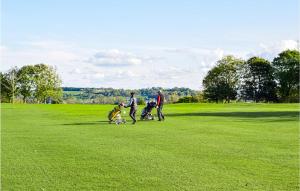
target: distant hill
<point>111,95</point>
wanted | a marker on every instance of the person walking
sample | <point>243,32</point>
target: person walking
<point>133,107</point>
<point>160,104</point>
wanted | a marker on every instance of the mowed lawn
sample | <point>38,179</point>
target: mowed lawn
<point>198,147</point>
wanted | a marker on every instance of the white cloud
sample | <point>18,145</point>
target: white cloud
<point>76,71</point>
<point>204,58</point>
<point>279,46</point>
<point>49,52</point>
<point>114,58</point>
<point>2,49</point>
<point>132,69</point>
<point>135,68</point>
<point>271,50</point>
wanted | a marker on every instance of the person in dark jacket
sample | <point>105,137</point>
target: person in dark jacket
<point>133,107</point>
<point>160,104</point>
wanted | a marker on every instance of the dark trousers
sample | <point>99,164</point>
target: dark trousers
<point>160,115</point>
<point>132,113</point>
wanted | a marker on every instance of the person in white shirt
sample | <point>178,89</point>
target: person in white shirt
<point>133,107</point>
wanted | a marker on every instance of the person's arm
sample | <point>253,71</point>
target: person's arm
<point>158,100</point>
<point>129,103</point>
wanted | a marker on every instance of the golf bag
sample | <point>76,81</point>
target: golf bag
<point>146,113</point>
<point>115,115</point>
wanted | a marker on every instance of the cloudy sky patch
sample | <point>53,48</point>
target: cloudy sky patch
<point>136,44</point>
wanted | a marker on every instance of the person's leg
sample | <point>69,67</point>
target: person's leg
<point>159,113</point>
<point>132,114</point>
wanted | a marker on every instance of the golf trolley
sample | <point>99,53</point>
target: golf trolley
<point>146,113</point>
<point>115,116</point>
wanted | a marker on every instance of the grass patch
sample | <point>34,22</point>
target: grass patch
<point>198,147</point>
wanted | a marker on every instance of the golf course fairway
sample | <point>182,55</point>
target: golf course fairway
<point>198,147</point>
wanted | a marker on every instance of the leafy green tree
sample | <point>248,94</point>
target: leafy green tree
<point>9,85</point>
<point>47,83</point>
<point>5,97</point>
<point>258,80</point>
<point>40,82</point>
<point>26,81</point>
<point>173,97</point>
<point>188,99</point>
<point>141,101</point>
<point>221,82</point>
<point>287,74</point>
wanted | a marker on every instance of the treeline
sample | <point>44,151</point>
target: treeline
<point>111,95</point>
<point>38,83</point>
<point>255,79</point>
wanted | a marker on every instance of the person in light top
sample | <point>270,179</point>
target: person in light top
<point>133,107</point>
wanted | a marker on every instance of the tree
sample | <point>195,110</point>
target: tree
<point>9,85</point>
<point>287,74</point>
<point>39,82</point>
<point>174,97</point>
<point>47,83</point>
<point>258,82</point>
<point>141,101</point>
<point>5,97</point>
<point>221,82</point>
<point>26,81</point>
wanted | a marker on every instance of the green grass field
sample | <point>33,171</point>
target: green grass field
<point>198,147</point>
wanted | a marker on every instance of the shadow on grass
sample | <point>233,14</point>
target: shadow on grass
<point>279,114</point>
<point>87,123</point>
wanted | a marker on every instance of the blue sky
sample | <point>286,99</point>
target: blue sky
<point>133,44</point>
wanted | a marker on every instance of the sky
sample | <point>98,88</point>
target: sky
<point>140,44</point>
